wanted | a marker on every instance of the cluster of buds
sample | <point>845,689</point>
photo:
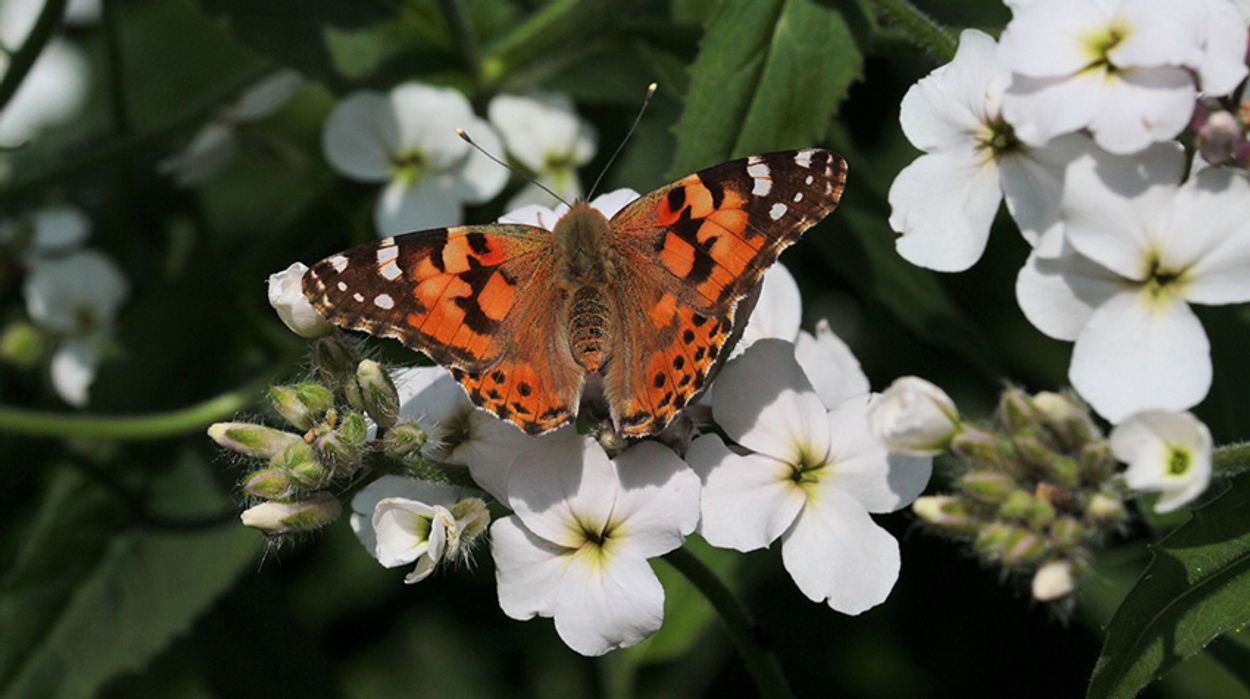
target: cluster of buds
<point>326,443</point>
<point>1220,132</point>
<point>1038,488</point>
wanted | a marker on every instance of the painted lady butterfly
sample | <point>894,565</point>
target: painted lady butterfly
<point>645,301</point>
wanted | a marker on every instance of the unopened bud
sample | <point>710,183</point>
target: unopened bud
<point>270,483</point>
<point>273,517</point>
<point>1067,532</point>
<point>251,440</point>
<point>1033,449</point>
<point>403,439</point>
<point>286,295</point>
<point>352,394</point>
<point>1066,418</point>
<point>1012,545</point>
<point>987,486</point>
<point>288,403</point>
<point>377,393</point>
<point>22,344</point>
<point>1017,506</point>
<point>302,465</point>
<point>1064,471</point>
<point>1016,411</point>
<point>913,416</point>
<point>1105,508</point>
<point>1097,462</point>
<point>984,450</point>
<point>947,512</point>
<point>470,517</point>
<point>1053,580</point>
<point>334,361</point>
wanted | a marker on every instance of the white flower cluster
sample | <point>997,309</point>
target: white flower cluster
<point>805,469</point>
<point>1073,118</point>
<point>406,140</point>
<point>72,293</point>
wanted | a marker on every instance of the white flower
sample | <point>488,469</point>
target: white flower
<point>55,89</point>
<point>607,204</point>
<point>403,520</point>
<point>1222,66</point>
<point>1142,248</point>
<point>943,203</point>
<point>461,434</point>
<point>778,311</point>
<point>1166,452</point>
<point>286,295</point>
<point>914,417</point>
<point>76,296</point>
<point>407,139</point>
<point>1119,67</point>
<point>811,478</point>
<point>217,142</point>
<point>583,527</point>
<point>47,231</point>
<point>1053,580</point>
<point>544,133</point>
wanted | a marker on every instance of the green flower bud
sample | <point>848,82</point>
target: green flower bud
<point>1064,471</point>
<point>301,463</point>
<point>353,395</point>
<point>1104,508</point>
<point>1017,506</point>
<point>403,439</point>
<point>318,398</point>
<point>343,447</point>
<point>984,450</point>
<point>272,517</point>
<point>334,361</point>
<point>286,403</point>
<point>1041,512</point>
<point>22,344</point>
<point>270,483</point>
<point>378,393</point>
<point>946,512</point>
<point>1016,411</point>
<point>1097,462</point>
<point>252,440</point>
<point>1066,418</point>
<point>1067,532</point>
<point>987,486</point>
<point>1033,449</point>
<point>1010,544</point>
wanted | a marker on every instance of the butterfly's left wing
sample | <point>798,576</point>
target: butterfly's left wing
<point>690,251</point>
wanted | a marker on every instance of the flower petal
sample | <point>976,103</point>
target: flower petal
<point>778,311</point>
<point>528,569</point>
<point>360,135</point>
<point>430,202</point>
<point>1166,452</point>
<point>1223,64</point>
<point>748,501</point>
<point>541,126</point>
<point>1058,295</point>
<point>1039,109</point>
<point>946,108</point>
<point>1142,105</point>
<point>1162,33</point>
<point>426,119</point>
<point>1032,184</point>
<point>73,369</point>
<point>564,490</point>
<point>1045,38</point>
<point>1210,237</point>
<point>830,365</point>
<point>942,205</point>
<point>1138,353</point>
<point>835,552</point>
<point>267,97</point>
<point>658,505</point>
<point>80,292</point>
<point>764,402</point>
<point>478,178</point>
<point>862,467</point>
<point>608,604</point>
<point>403,529</point>
<point>366,502</point>
<point>610,203</point>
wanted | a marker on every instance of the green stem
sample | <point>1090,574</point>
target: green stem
<point>465,38</point>
<point>922,30</point>
<point>762,664</point>
<point>1232,459</point>
<point>116,68</point>
<point>560,24</point>
<point>47,22</point>
<point>38,423</point>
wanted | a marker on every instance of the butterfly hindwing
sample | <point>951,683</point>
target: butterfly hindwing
<point>712,234</point>
<point>452,293</point>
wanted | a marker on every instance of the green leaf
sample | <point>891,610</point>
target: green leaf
<point>1196,588</point>
<point>769,75</point>
<point>116,614</point>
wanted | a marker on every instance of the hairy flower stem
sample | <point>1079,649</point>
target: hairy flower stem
<point>194,418</point>
<point>920,28</point>
<point>761,663</point>
<point>23,58</point>
<point>1232,459</point>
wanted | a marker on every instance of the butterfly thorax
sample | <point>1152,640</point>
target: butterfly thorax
<point>585,267</point>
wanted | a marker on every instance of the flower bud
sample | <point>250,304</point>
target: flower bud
<point>914,417</point>
<point>377,392</point>
<point>403,439</point>
<point>286,295</point>
<point>1067,532</point>
<point>1064,471</point>
<point>1012,545</point>
<point>987,486</point>
<point>270,483</point>
<point>343,447</point>
<point>984,450</point>
<point>301,405</point>
<point>1053,580</point>
<point>274,517</point>
<point>334,361</point>
<point>469,519</point>
<point>1066,418</point>
<point>251,440</point>
<point>22,344</point>
<point>1105,508</point>
<point>1016,506</point>
<point>1033,449</point>
<point>1015,410</point>
<point>1219,137</point>
<point>301,463</point>
<point>1097,462</point>
<point>946,512</point>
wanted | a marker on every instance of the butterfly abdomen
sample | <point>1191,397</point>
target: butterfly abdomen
<point>590,327</point>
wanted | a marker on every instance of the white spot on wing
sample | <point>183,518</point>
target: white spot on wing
<point>384,301</point>
<point>390,271</point>
<point>342,286</point>
<point>777,211</point>
<point>758,169</point>
<point>809,180</point>
<point>360,298</point>
<point>803,158</point>
<point>762,187</point>
<point>798,197</point>
<point>339,263</point>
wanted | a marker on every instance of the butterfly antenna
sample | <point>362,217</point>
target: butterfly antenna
<point>645,101</point>
<point>518,173</point>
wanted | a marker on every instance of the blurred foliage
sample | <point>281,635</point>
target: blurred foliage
<point>124,572</point>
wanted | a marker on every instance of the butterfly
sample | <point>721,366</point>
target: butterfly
<point>643,302</point>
